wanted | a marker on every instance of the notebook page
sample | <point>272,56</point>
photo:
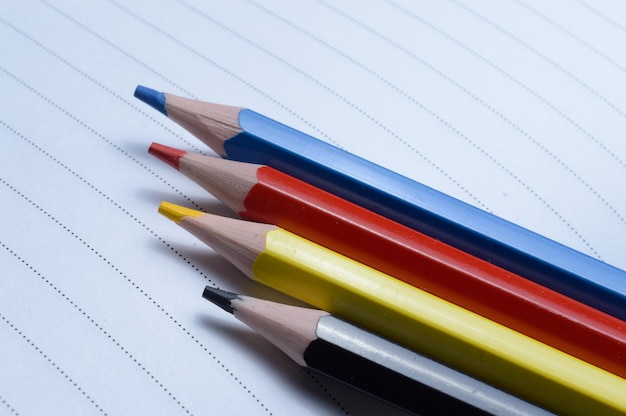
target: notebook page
<point>515,107</point>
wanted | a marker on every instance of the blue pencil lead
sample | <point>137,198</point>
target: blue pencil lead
<point>151,97</point>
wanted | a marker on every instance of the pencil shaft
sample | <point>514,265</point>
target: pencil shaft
<point>402,377</point>
<point>404,392</point>
<point>245,135</point>
<point>454,222</point>
<point>263,194</point>
<point>413,318</point>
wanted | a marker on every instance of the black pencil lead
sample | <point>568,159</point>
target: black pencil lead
<point>220,298</point>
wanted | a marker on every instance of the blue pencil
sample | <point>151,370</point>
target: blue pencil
<point>244,135</point>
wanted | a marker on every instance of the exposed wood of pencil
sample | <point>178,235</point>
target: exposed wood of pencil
<point>407,315</point>
<point>213,174</point>
<point>321,342</point>
<point>260,193</point>
<point>290,328</point>
<point>204,119</point>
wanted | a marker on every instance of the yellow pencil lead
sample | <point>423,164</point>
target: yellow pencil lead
<point>176,212</point>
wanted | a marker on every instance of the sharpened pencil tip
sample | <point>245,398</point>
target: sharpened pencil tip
<point>167,154</point>
<point>220,298</point>
<point>154,99</point>
<point>176,212</point>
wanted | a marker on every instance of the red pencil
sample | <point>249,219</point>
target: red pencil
<point>263,194</point>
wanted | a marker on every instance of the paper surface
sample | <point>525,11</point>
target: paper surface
<point>518,108</point>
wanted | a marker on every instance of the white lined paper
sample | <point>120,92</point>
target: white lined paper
<point>516,108</point>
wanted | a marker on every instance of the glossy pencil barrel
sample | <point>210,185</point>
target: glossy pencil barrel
<point>403,377</point>
<point>454,222</point>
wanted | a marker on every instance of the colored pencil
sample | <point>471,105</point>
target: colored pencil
<point>263,194</point>
<point>407,315</point>
<point>321,342</point>
<point>244,135</point>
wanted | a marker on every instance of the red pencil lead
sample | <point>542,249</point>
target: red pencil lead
<point>167,154</point>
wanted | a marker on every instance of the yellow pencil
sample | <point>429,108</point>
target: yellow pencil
<point>409,316</point>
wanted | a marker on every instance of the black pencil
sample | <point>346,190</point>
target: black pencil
<point>328,345</point>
